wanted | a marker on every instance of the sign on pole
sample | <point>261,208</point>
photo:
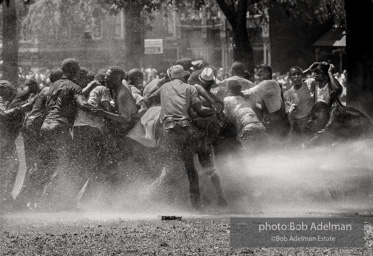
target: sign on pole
<point>153,46</point>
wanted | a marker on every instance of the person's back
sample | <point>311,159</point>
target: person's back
<point>96,97</point>
<point>61,105</point>
<point>238,74</point>
<point>250,131</point>
<point>178,105</point>
<point>239,112</point>
<point>270,92</point>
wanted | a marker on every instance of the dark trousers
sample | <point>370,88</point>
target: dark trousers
<point>88,158</point>
<point>176,144</point>
<point>55,168</point>
<point>34,178</point>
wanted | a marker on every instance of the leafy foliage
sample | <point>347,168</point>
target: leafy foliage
<point>322,10</point>
<point>47,18</point>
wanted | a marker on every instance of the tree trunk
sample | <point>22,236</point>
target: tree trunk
<point>10,43</point>
<point>134,36</point>
<point>236,16</point>
<point>359,52</point>
<point>242,48</point>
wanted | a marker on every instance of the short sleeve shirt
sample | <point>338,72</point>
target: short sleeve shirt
<point>177,98</point>
<point>322,94</point>
<point>303,98</point>
<point>61,105</point>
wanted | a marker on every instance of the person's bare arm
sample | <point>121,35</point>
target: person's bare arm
<point>107,106</point>
<point>334,83</point>
<point>87,90</point>
<point>311,68</point>
<point>82,103</point>
<point>201,91</point>
<point>154,97</point>
<point>201,110</point>
<point>109,115</point>
<point>142,110</point>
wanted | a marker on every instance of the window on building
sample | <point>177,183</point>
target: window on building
<point>94,29</point>
<point>97,28</point>
<point>119,25</point>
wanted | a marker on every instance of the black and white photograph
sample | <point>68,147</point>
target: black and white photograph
<point>186,127</point>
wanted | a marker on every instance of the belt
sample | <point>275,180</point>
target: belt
<point>171,122</point>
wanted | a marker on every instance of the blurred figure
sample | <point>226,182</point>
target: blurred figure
<point>326,90</point>
<point>250,131</point>
<point>238,74</point>
<point>271,103</point>
<point>208,130</point>
<point>150,74</point>
<point>63,99</point>
<point>8,152</point>
<point>135,79</point>
<point>35,179</point>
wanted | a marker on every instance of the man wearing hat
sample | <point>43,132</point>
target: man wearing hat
<point>208,130</point>
<point>177,98</point>
<point>198,66</point>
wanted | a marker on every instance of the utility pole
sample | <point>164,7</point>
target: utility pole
<point>177,29</point>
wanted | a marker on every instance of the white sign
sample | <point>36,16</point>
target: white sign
<point>153,46</point>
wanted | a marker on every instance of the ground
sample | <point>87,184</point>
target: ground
<point>131,234</point>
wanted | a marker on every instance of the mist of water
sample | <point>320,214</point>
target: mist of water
<point>286,181</point>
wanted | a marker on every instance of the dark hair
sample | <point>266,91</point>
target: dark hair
<point>100,76</point>
<point>185,62</point>
<point>84,71</point>
<point>296,68</point>
<point>55,75</point>
<point>134,73</point>
<point>238,68</point>
<point>266,69</point>
<point>200,64</point>
<point>91,76</point>
<point>70,66</point>
<point>32,84</point>
<point>116,71</point>
<point>162,75</point>
<point>322,68</point>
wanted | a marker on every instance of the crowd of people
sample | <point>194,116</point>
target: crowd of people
<point>79,128</point>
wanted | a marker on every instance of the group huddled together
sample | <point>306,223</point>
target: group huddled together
<point>78,130</point>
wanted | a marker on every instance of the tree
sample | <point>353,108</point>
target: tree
<point>359,55</point>
<point>236,12</point>
<point>134,14</point>
<point>10,39</point>
<point>46,18</point>
<point>10,42</point>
